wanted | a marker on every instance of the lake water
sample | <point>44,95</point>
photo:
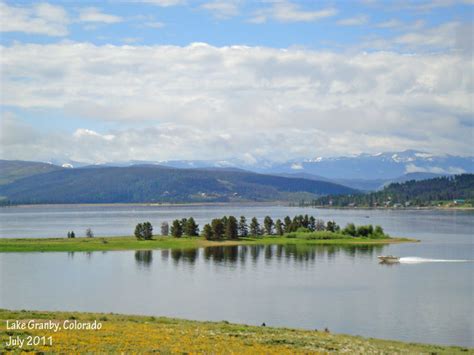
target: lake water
<point>426,298</point>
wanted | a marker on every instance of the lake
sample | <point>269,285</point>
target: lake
<point>426,298</point>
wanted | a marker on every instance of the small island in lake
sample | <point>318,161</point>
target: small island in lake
<point>185,233</point>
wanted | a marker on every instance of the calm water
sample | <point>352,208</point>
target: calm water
<point>427,298</point>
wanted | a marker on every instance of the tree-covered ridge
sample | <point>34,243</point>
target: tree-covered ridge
<point>155,184</point>
<point>456,190</point>
<point>11,170</point>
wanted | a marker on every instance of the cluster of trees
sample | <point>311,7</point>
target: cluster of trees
<point>229,227</point>
<point>89,234</point>
<point>363,231</point>
<point>410,193</point>
<point>144,231</point>
<point>182,227</point>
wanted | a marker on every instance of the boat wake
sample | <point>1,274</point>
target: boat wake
<point>417,260</point>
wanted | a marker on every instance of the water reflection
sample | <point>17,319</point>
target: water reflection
<point>243,253</point>
<point>144,258</point>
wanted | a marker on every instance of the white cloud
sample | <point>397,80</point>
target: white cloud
<point>40,18</point>
<point>222,9</point>
<point>451,35</point>
<point>354,21</point>
<point>201,101</point>
<point>163,3</point>
<point>285,11</point>
<point>412,168</point>
<point>93,14</point>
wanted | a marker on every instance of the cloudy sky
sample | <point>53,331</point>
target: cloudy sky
<point>98,81</point>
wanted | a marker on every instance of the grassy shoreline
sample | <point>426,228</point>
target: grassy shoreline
<point>131,243</point>
<point>125,333</point>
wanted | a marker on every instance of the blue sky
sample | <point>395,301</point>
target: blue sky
<point>179,79</point>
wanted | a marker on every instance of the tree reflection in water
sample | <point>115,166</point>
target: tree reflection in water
<point>144,258</point>
<point>254,253</point>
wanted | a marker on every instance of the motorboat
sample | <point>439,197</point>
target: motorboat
<point>389,259</point>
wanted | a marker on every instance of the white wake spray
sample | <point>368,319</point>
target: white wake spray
<point>417,260</point>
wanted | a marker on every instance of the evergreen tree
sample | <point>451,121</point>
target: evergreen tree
<point>268,225</point>
<point>231,228</point>
<point>73,235</point>
<point>224,223</point>
<point>331,226</point>
<point>191,228</point>
<point>312,224</point>
<point>176,229</point>
<point>147,231</point>
<point>254,227</point>
<point>305,221</point>
<point>207,232</point>
<point>217,228</point>
<point>183,222</point>
<point>279,227</point>
<point>287,222</point>
<point>139,231</point>
<point>165,229</point>
<point>243,228</point>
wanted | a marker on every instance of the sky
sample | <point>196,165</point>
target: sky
<point>103,81</point>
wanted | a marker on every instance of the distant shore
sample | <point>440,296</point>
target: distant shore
<point>126,333</point>
<point>244,203</point>
<point>158,242</point>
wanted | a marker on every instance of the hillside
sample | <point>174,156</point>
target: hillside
<point>411,193</point>
<point>11,170</point>
<point>150,184</point>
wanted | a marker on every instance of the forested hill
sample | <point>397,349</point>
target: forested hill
<point>11,170</point>
<point>152,184</point>
<point>458,189</point>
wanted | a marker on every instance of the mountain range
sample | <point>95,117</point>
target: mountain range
<point>366,172</point>
<point>147,183</point>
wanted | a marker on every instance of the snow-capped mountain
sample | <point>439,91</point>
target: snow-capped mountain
<point>385,166</point>
<point>378,166</point>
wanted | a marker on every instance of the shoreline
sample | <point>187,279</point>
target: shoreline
<point>131,243</point>
<point>241,203</point>
<point>132,333</point>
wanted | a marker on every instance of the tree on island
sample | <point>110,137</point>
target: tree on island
<point>217,228</point>
<point>176,229</point>
<point>268,225</point>
<point>191,229</point>
<point>144,231</point>
<point>231,228</point>
<point>279,227</point>
<point>165,229</point>
<point>254,227</point>
<point>312,224</point>
<point>89,233</point>
<point>243,228</point>
<point>319,225</point>
<point>207,232</point>
<point>331,226</point>
<point>71,234</point>
<point>288,224</point>
<point>350,229</point>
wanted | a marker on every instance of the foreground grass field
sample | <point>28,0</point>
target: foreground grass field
<point>122,333</point>
<point>131,243</point>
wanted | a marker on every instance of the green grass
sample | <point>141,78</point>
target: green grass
<point>125,333</point>
<point>131,243</point>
